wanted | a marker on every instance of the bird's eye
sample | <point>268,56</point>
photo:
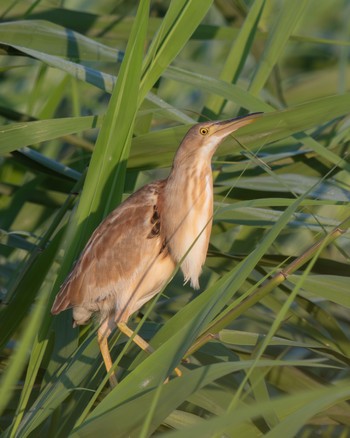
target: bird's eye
<point>204,131</point>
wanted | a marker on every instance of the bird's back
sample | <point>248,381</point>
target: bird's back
<point>124,263</point>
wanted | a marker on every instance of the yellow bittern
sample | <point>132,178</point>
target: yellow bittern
<point>133,253</point>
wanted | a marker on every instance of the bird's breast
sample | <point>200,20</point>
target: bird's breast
<point>187,221</point>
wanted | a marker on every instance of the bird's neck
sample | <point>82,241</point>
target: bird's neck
<point>187,157</point>
<point>189,174</point>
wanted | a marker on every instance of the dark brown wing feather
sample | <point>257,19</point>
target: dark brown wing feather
<point>127,236</point>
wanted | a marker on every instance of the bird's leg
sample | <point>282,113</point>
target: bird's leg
<point>103,332</point>
<point>144,345</point>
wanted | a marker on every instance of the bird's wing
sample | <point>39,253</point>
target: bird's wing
<point>119,246</point>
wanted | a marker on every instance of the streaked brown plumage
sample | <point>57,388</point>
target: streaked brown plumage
<point>133,253</point>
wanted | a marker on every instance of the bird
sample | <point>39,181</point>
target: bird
<point>135,251</point>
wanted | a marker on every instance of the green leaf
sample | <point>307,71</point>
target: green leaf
<point>45,37</point>
<point>288,18</point>
<point>294,412</point>
<point>325,287</point>
<point>181,20</point>
<point>129,416</point>
<point>19,135</point>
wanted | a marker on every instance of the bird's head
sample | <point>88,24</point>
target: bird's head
<point>205,137</point>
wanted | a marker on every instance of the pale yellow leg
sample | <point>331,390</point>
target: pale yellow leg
<point>136,338</point>
<point>140,341</point>
<point>102,336</point>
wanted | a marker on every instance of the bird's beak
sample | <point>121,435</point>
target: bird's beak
<point>226,127</point>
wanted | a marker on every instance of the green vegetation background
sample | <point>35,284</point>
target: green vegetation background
<point>94,100</point>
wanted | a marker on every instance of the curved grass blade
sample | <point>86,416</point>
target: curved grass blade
<point>19,135</point>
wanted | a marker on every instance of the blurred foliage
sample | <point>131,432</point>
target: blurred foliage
<point>95,99</point>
